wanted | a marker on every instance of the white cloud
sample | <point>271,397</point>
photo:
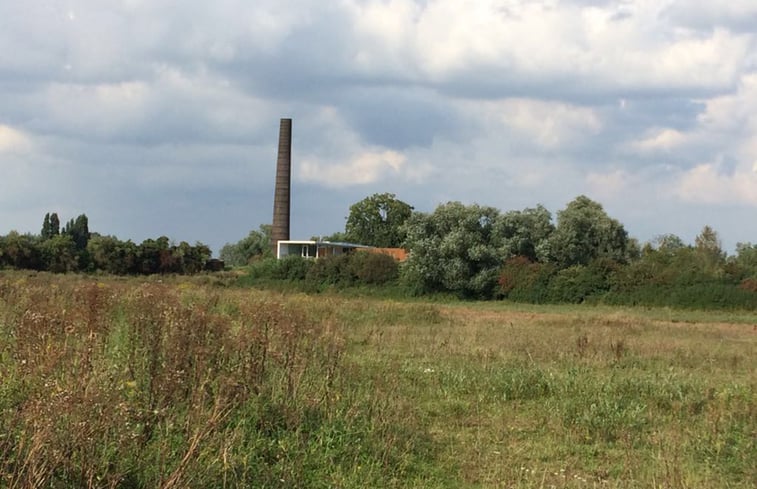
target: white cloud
<point>660,140</point>
<point>13,140</point>
<point>544,124</point>
<point>734,111</point>
<point>613,47</point>
<point>708,184</point>
<point>363,168</point>
<point>97,109</point>
<point>608,185</point>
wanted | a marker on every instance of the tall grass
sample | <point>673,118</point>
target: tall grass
<point>124,383</point>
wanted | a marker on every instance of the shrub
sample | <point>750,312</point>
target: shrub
<point>290,268</point>
<point>373,268</point>
<point>293,268</point>
<point>350,269</point>
<point>579,283</point>
<point>522,280</point>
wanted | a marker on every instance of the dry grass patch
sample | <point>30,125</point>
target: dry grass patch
<point>189,383</point>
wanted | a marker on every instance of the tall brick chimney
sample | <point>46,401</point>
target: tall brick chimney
<point>282,198</point>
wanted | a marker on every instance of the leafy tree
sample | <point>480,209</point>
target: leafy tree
<point>377,221</point>
<point>112,255</point>
<point>525,233</point>
<point>50,226</point>
<point>338,236</point>
<point>452,249</point>
<point>193,258</point>
<point>256,244</point>
<point>59,254</point>
<point>153,256</point>
<point>585,232</point>
<point>21,251</point>
<point>46,233</point>
<point>668,243</point>
<point>746,259</point>
<point>707,243</point>
<point>54,224</point>
<point>78,229</point>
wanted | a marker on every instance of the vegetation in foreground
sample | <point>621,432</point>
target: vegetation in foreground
<point>125,383</point>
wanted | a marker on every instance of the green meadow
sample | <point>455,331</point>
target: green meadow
<point>196,382</point>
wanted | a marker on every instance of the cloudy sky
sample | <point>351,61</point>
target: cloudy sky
<point>161,118</point>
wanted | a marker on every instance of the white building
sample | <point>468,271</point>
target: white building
<point>314,249</point>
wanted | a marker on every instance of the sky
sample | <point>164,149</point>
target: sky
<point>161,118</point>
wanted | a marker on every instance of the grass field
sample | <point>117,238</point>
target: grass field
<point>188,383</point>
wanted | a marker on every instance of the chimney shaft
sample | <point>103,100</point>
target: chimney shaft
<point>282,193</point>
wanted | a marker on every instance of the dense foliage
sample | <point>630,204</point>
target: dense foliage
<point>75,249</point>
<point>478,252</point>
<point>255,245</point>
<point>360,268</point>
<point>471,251</point>
<point>378,221</point>
<point>454,249</point>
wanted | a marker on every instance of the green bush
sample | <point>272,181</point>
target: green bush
<point>711,295</point>
<point>330,270</point>
<point>373,268</point>
<point>580,283</point>
<point>353,269</point>
<point>521,280</point>
<point>291,268</point>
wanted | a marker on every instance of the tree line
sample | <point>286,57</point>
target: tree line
<point>471,251</point>
<point>73,248</point>
<point>480,252</point>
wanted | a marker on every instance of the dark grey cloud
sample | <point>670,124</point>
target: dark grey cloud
<point>704,15</point>
<point>399,117</point>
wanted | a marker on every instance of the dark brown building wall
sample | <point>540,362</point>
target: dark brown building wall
<point>282,198</point>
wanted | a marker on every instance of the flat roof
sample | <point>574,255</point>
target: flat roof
<point>327,243</point>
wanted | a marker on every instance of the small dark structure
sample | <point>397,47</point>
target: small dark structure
<point>282,193</point>
<point>214,265</point>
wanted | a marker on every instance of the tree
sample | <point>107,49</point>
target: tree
<point>257,243</point>
<point>377,221</point>
<point>669,243</point>
<point>708,242</point>
<point>59,254</point>
<point>21,251</point>
<point>709,251</point>
<point>453,250</point>
<point>54,224</point>
<point>50,226</point>
<point>112,255</point>
<point>78,229</point>
<point>525,233</point>
<point>153,256</point>
<point>585,232</point>
<point>193,258</point>
<point>45,233</point>
<point>746,258</point>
